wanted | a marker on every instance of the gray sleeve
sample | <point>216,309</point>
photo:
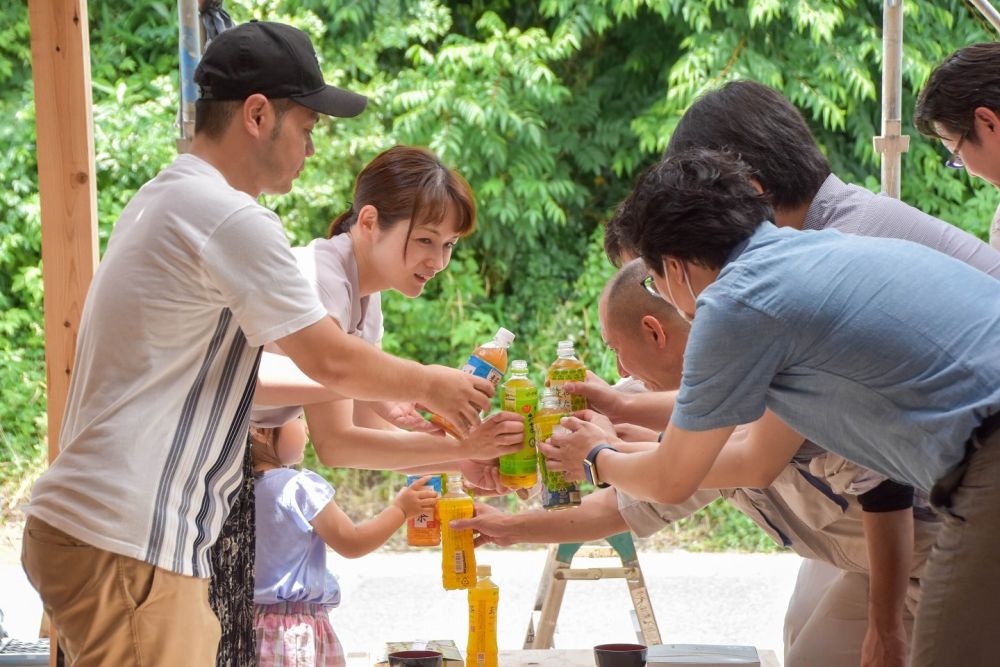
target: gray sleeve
<point>890,218</point>
<point>995,230</point>
<point>645,518</point>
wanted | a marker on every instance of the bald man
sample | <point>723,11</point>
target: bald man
<point>811,508</point>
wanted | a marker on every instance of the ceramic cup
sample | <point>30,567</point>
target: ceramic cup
<point>415,659</point>
<point>620,655</point>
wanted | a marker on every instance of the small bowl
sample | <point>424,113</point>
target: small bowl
<point>620,655</point>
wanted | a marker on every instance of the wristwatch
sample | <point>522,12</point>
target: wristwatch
<point>590,466</point>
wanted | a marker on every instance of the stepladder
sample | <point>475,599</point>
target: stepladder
<point>559,569</point>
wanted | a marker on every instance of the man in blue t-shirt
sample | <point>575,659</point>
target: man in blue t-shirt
<point>882,351</point>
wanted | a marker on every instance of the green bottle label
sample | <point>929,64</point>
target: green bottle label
<point>522,400</point>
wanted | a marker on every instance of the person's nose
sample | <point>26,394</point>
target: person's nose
<point>622,371</point>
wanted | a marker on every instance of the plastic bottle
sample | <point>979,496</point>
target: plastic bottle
<point>520,469</point>
<point>489,361</point>
<point>424,530</point>
<point>558,493</point>
<point>567,368</point>
<point>484,597</point>
<point>458,556</point>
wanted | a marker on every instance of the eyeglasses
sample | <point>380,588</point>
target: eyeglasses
<point>955,160</point>
<point>650,286</point>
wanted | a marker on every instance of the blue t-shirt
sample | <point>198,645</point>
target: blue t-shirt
<point>883,351</point>
<point>291,557</point>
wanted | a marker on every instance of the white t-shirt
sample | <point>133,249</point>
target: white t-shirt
<point>196,277</point>
<point>331,267</point>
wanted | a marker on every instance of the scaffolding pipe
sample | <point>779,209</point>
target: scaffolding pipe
<point>892,144</point>
<point>190,54</point>
<point>988,12</point>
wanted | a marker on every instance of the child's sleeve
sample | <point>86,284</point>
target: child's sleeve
<point>307,495</point>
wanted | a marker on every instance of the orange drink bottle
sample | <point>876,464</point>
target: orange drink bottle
<point>520,469</point>
<point>489,361</point>
<point>567,368</point>
<point>458,557</point>
<point>558,493</point>
<point>484,597</point>
<point>424,530</point>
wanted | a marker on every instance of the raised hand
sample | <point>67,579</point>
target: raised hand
<point>417,498</point>
<point>501,433</point>
<point>456,396</point>
<point>599,394</point>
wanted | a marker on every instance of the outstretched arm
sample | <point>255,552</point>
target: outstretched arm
<point>596,517</point>
<point>340,443</point>
<point>353,541</point>
<point>350,366</point>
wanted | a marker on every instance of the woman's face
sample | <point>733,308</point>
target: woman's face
<point>427,252</point>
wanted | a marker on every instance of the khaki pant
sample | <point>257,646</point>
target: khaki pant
<point>960,610</point>
<point>109,609</point>
<point>827,617</point>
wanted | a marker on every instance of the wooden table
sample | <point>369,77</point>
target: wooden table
<point>552,658</point>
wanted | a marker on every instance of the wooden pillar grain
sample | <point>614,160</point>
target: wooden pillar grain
<point>60,62</point>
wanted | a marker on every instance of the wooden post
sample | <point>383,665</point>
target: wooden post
<point>892,143</point>
<point>60,62</point>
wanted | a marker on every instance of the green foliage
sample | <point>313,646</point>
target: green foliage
<point>549,109</point>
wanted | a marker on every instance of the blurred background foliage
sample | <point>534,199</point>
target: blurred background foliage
<point>549,109</point>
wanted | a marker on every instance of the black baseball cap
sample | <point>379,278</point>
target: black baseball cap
<point>275,60</point>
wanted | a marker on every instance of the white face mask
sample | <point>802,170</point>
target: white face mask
<point>670,292</point>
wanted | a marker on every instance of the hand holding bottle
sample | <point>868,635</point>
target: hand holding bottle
<point>417,498</point>
<point>501,433</point>
<point>456,396</point>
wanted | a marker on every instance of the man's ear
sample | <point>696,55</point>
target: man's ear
<point>987,119</point>
<point>255,113</point>
<point>653,330</point>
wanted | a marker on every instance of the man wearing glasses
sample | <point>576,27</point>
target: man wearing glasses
<point>960,105</point>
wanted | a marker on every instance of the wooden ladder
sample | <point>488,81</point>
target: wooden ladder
<point>558,570</point>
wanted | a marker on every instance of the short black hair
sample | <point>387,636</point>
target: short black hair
<point>967,79</point>
<point>694,206</point>
<point>212,117</point>
<point>765,131</point>
<point>616,242</point>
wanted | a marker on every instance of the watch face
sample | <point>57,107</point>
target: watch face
<point>588,469</point>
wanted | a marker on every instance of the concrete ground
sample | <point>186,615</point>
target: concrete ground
<point>697,598</point>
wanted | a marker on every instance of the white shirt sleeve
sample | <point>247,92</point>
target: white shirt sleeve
<point>249,262</point>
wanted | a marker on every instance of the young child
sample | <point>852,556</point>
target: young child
<point>296,520</point>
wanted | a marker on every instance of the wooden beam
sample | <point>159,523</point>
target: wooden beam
<point>60,62</point>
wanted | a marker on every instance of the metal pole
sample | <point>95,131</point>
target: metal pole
<point>892,144</point>
<point>190,54</point>
<point>990,14</point>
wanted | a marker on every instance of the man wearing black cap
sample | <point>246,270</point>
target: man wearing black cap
<point>196,278</point>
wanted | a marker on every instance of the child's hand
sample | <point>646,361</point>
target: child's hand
<point>416,499</point>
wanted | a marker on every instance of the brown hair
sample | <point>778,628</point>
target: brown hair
<point>968,79</point>
<point>407,182</point>
<point>263,446</point>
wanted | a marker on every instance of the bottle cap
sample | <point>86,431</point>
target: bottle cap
<point>483,570</point>
<point>504,336</point>
<point>565,347</point>
<point>519,365</point>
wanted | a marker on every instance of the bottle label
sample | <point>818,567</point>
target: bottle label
<point>556,379</point>
<point>523,401</point>
<point>483,369</point>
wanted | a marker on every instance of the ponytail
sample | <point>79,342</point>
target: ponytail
<point>342,223</point>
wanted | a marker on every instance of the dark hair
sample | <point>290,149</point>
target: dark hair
<point>694,206</point>
<point>212,117</point>
<point>616,243</point>
<point>407,182</point>
<point>765,131</point>
<point>967,79</point>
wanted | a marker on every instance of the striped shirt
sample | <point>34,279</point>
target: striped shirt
<point>196,277</point>
<point>854,210</point>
